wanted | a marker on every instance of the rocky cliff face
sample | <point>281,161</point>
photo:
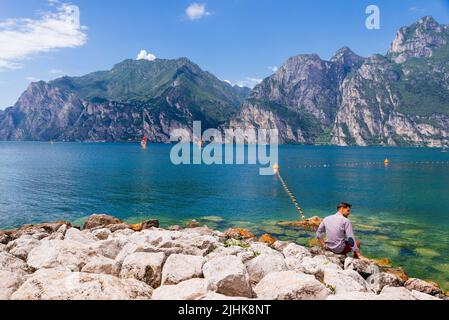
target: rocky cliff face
<point>133,99</point>
<point>419,40</point>
<point>401,98</point>
<point>397,99</point>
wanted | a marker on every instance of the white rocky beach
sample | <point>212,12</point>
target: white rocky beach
<point>111,260</point>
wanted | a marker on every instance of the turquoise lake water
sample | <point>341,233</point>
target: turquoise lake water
<point>400,212</point>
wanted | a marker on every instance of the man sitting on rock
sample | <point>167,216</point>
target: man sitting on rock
<point>340,236</point>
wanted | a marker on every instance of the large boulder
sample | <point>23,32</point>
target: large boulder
<point>9,283</point>
<point>148,224</point>
<point>181,267</point>
<point>196,244</point>
<point>398,272</point>
<point>334,257</point>
<point>262,265</point>
<point>203,231</point>
<point>117,227</point>
<point>101,234</point>
<point>422,286</point>
<point>239,234</point>
<point>314,266</point>
<point>100,265</point>
<point>61,254</point>
<point>378,281</point>
<point>11,263</point>
<point>60,233</point>
<point>364,267</point>
<point>424,296</point>
<point>344,281</point>
<point>280,245</point>
<point>122,233</point>
<point>227,275</point>
<point>52,284</point>
<point>213,296</point>
<point>296,251</point>
<point>109,248</point>
<point>290,285</point>
<point>22,246</point>
<point>143,266</point>
<point>187,290</point>
<point>100,220</point>
<point>353,296</point>
<point>261,248</point>
<point>395,293</point>
<point>157,237</point>
<point>5,237</point>
<point>154,241</point>
<point>267,239</point>
<point>31,229</point>
<point>76,235</point>
<point>222,251</point>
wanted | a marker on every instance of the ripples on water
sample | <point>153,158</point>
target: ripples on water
<point>400,212</point>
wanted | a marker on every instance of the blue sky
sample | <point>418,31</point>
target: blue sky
<point>237,40</point>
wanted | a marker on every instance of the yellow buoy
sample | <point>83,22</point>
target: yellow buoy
<point>276,168</point>
<point>386,162</point>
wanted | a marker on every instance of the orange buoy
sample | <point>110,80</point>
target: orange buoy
<point>386,162</point>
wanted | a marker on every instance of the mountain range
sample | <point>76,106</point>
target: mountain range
<point>397,99</point>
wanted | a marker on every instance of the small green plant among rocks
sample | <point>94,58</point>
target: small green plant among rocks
<point>331,288</point>
<point>236,243</point>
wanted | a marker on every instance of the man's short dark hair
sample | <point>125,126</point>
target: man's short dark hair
<point>344,205</point>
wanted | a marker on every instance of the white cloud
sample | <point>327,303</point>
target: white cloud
<point>249,82</point>
<point>273,68</point>
<point>56,71</point>
<point>144,55</point>
<point>228,82</point>
<point>417,9</point>
<point>56,29</point>
<point>32,79</point>
<point>197,11</point>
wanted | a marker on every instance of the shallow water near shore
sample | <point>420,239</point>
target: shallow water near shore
<point>400,212</point>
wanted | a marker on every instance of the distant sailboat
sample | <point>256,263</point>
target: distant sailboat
<point>144,142</point>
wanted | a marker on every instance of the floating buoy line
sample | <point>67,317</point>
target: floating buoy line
<point>290,194</point>
<point>385,163</point>
<point>366,164</point>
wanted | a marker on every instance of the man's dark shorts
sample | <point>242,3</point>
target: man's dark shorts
<point>348,248</point>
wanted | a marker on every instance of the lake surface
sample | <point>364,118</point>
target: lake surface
<point>400,212</point>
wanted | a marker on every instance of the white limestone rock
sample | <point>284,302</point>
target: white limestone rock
<point>62,254</point>
<point>187,290</point>
<point>145,267</point>
<point>51,284</point>
<point>9,283</point>
<point>181,267</point>
<point>290,285</point>
<point>345,281</point>
<point>262,265</point>
<point>227,275</point>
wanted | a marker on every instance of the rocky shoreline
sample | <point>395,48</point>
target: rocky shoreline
<point>112,260</point>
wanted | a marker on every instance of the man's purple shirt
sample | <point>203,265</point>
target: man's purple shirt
<point>339,231</point>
